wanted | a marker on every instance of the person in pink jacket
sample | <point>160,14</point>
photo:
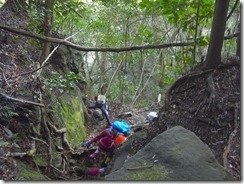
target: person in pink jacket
<point>102,145</point>
<point>106,144</point>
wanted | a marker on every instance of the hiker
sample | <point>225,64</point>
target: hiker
<point>117,129</point>
<point>107,141</point>
<point>100,103</point>
<point>109,132</point>
<point>106,144</point>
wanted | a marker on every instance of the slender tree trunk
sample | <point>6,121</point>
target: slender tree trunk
<point>123,72</point>
<point>48,21</point>
<point>213,58</point>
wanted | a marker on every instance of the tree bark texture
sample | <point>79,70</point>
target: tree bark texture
<point>213,58</point>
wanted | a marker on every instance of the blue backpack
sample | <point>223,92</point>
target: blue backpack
<point>121,126</point>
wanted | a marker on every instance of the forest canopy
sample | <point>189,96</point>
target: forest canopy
<point>121,38</point>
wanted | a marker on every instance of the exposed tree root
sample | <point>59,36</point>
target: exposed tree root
<point>182,81</point>
<point>211,89</point>
<point>232,162</point>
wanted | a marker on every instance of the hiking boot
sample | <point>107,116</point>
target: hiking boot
<point>102,171</point>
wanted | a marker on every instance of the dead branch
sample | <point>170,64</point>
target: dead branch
<point>16,154</point>
<point>140,167</point>
<point>5,79</point>
<point>30,72</point>
<point>152,72</point>
<point>20,100</point>
<point>87,49</point>
<point>113,77</point>
<point>29,153</point>
<point>141,77</point>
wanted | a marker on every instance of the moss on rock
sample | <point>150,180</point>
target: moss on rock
<point>26,172</point>
<point>73,117</point>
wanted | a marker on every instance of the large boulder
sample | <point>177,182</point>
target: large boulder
<point>175,155</point>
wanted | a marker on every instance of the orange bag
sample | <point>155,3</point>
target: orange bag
<point>119,139</point>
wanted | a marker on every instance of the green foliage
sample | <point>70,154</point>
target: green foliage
<point>63,82</point>
<point>1,3</point>
<point>176,10</point>
<point>168,80</point>
<point>202,41</point>
<point>125,23</point>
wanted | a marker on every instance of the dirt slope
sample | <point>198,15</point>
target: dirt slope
<point>207,103</point>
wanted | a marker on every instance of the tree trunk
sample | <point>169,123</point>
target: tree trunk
<point>48,20</point>
<point>213,58</point>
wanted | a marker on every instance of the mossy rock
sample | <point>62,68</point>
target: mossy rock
<point>26,172</point>
<point>70,112</point>
<point>40,161</point>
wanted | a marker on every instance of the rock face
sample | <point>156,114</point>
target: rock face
<point>175,155</point>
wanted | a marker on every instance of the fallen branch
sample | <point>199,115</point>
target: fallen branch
<point>30,72</point>
<point>20,100</point>
<point>30,153</point>
<point>140,167</point>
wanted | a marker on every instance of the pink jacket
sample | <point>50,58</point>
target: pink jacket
<point>105,133</point>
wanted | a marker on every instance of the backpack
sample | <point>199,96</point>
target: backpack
<point>121,126</point>
<point>150,116</point>
<point>101,99</point>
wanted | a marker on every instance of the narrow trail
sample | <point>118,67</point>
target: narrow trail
<point>79,160</point>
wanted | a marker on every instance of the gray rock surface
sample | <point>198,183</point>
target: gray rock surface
<point>175,155</point>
